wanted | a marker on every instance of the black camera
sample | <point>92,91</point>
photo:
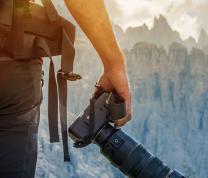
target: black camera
<point>94,126</point>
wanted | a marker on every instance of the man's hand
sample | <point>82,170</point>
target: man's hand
<point>116,78</point>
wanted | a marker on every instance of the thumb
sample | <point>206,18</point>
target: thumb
<point>127,118</point>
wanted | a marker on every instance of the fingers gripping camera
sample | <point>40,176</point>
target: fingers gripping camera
<point>103,109</point>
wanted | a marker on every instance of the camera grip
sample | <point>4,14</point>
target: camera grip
<point>116,107</point>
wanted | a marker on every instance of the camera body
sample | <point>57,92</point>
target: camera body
<point>103,109</point>
<point>94,125</point>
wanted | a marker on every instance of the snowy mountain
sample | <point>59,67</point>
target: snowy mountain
<point>161,34</point>
<point>170,94</point>
<point>203,41</point>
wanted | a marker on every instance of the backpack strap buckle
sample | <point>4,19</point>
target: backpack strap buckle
<point>71,76</point>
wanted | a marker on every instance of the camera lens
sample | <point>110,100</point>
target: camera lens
<point>131,157</point>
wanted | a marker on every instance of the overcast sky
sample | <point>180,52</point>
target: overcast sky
<point>185,16</point>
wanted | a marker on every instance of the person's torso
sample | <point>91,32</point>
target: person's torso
<point>24,38</point>
<point>20,80</point>
<point>20,86</point>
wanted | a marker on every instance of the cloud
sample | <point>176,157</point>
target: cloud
<point>185,16</point>
<point>113,8</point>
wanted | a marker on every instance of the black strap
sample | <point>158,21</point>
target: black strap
<point>52,105</point>
<point>62,77</point>
<point>45,28</point>
<point>62,87</point>
<point>18,30</point>
<point>52,94</point>
<point>68,52</point>
<point>53,102</point>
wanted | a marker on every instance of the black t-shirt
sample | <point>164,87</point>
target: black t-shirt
<point>20,86</point>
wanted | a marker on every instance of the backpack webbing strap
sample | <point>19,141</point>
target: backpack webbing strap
<point>18,31</point>
<point>53,102</point>
<point>62,87</point>
<point>52,105</point>
<point>50,10</point>
<point>66,72</point>
<point>68,52</point>
<point>52,94</point>
<point>45,28</point>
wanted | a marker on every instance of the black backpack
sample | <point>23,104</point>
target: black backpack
<point>36,32</point>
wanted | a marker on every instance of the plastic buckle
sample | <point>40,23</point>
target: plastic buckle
<point>70,76</point>
<point>42,78</point>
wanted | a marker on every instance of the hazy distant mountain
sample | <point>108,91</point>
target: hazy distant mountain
<point>161,34</point>
<point>203,40</point>
<point>170,93</point>
<point>170,104</point>
<point>190,43</point>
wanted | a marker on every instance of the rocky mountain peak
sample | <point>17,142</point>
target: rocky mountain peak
<point>138,29</point>
<point>177,52</point>
<point>203,38</point>
<point>145,27</point>
<point>161,22</point>
<point>190,40</point>
<point>160,34</point>
<point>144,46</point>
<point>177,46</point>
<point>117,28</point>
<point>203,33</point>
<point>197,53</point>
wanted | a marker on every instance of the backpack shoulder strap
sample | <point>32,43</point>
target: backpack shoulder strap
<point>18,31</point>
<point>11,16</point>
<point>50,10</point>
<point>52,93</point>
<point>68,51</point>
<point>64,74</point>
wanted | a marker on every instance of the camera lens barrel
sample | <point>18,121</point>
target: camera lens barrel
<point>130,157</point>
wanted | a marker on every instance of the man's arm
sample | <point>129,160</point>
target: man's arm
<point>93,18</point>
